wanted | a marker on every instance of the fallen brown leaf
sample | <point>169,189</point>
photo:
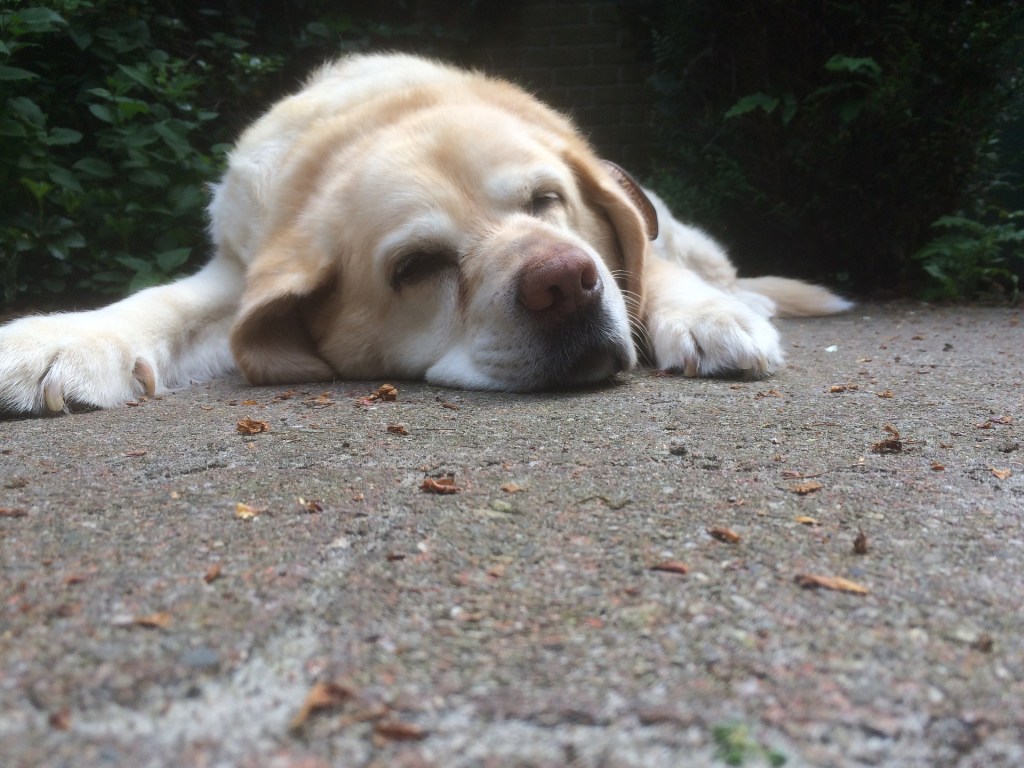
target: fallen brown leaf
<point>395,730</point>
<point>726,535</point>
<point>439,485</point>
<point>983,643</point>
<point>891,444</point>
<point>322,696</point>
<point>397,429</point>
<point>158,620</point>
<point>837,388</point>
<point>12,512</point>
<point>212,573</point>
<point>135,454</point>
<point>245,512</point>
<point>769,393</point>
<point>310,505</point>
<point>805,488</point>
<point>387,393</point>
<point>60,720</point>
<point>320,401</point>
<point>835,583</point>
<point>248,402</point>
<point>887,394</point>
<point>860,544</point>
<point>671,566</point>
<point>248,426</point>
<point>1002,474</point>
<point>512,488</point>
<point>804,520</point>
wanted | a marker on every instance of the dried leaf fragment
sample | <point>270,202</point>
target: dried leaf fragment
<point>396,730</point>
<point>671,566</point>
<point>249,426</point>
<point>835,583</point>
<point>983,643</point>
<point>322,696</point>
<point>805,520</point>
<point>158,620</point>
<point>726,535</point>
<point>212,573</point>
<point>244,512</point>
<point>319,401</point>
<point>860,543</point>
<point>805,488</point>
<point>891,444</point>
<point>1002,474</point>
<point>887,394</point>
<point>512,488</point>
<point>441,485</point>
<point>837,388</point>
<point>310,505</point>
<point>12,512</point>
<point>60,720</point>
<point>398,429</point>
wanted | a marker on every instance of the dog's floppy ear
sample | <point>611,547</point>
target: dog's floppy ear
<point>631,214</point>
<point>637,195</point>
<point>271,339</point>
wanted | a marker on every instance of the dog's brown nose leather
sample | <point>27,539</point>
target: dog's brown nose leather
<point>560,285</point>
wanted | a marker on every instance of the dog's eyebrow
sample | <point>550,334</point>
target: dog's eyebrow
<point>430,227</point>
<point>517,188</point>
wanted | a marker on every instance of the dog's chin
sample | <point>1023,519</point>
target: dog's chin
<point>559,364</point>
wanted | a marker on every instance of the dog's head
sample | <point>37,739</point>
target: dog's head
<point>477,245</point>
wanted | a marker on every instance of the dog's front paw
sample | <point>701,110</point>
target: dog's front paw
<point>717,337</point>
<point>49,363</point>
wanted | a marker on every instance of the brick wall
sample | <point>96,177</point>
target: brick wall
<point>582,58</point>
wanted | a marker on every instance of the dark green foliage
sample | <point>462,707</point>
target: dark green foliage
<point>104,147</point>
<point>825,139</point>
<point>117,114</point>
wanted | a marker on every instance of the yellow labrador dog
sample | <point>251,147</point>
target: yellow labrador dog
<point>400,218</point>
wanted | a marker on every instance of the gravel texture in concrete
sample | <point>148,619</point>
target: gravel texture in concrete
<point>824,568</point>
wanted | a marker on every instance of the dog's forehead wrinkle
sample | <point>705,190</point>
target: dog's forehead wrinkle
<point>517,187</point>
<point>431,227</point>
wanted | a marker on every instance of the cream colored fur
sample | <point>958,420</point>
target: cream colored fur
<point>393,219</point>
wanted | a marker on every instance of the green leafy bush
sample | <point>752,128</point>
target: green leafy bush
<point>105,143</point>
<point>973,259</point>
<point>118,113</point>
<point>826,139</point>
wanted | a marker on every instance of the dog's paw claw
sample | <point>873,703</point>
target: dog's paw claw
<point>144,374</point>
<point>53,397</point>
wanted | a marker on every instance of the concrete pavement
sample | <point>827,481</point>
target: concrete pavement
<point>825,568</point>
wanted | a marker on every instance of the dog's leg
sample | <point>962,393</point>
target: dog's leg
<point>158,338</point>
<point>702,330</point>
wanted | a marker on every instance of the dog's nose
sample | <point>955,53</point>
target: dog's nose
<point>559,285</point>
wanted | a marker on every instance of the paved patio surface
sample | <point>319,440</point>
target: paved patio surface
<point>826,568</point>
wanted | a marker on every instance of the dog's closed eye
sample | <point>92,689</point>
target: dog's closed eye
<point>543,202</point>
<point>421,265</point>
